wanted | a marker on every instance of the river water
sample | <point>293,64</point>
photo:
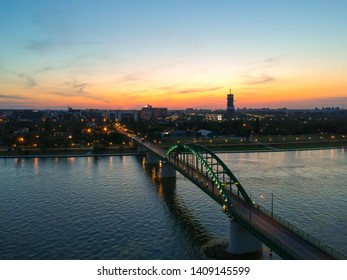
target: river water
<point>114,208</point>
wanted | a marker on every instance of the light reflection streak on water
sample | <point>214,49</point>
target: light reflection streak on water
<point>112,200</point>
<point>36,165</point>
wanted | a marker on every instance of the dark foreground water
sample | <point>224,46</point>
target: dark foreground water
<point>113,208</point>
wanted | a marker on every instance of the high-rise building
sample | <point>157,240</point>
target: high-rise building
<point>148,112</point>
<point>230,105</point>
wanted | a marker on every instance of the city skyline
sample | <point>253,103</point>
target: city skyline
<point>177,54</point>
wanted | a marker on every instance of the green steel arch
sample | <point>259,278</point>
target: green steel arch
<point>198,151</point>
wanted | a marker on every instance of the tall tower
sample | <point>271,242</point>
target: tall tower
<point>230,105</point>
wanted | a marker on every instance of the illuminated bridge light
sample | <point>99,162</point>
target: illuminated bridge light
<point>203,155</point>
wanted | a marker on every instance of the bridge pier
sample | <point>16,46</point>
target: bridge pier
<point>141,149</point>
<point>241,241</point>
<point>151,159</point>
<point>167,171</point>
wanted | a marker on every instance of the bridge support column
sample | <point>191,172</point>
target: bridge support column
<point>141,149</point>
<point>150,159</point>
<point>167,171</point>
<point>241,241</point>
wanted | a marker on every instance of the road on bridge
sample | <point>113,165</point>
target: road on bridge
<point>288,238</point>
<point>263,223</point>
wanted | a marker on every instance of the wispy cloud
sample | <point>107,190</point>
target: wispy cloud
<point>262,79</point>
<point>66,93</point>
<point>81,63</point>
<point>81,87</point>
<point>197,90</point>
<point>71,94</point>
<point>254,75</point>
<point>29,81</point>
<point>132,77</point>
<point>272,59</point>
<point>267,62</point>
<point>46,45</point>
<point>77,89</point>
<point>10,96</point>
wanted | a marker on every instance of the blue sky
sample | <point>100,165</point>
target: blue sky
<point>124,54</point>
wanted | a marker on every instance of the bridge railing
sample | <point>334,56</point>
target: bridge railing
<point>256,229</point>
<point>326,248</point>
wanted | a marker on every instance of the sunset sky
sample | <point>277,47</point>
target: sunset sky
<point>124,54</point>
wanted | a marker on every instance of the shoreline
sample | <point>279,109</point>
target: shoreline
<point>71,155</point>
<point>128,153</point>
<point>282,150</point>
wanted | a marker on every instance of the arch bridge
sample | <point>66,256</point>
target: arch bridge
<point>250,224</point>
<point>205,169</point>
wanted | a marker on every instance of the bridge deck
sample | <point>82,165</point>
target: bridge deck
<point>258,220</point>
<point>269,230</point>
<point>295,243</point>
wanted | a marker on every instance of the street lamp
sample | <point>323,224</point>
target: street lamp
<point>272,202</point>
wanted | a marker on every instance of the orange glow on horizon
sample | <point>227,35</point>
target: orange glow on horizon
<point>275,94</point>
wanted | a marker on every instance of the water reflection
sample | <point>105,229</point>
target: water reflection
<point>185,222</point>
<point>117,208</point>
<point>36,166</point>
<point>71,160</point>
<point>179,214</point>
<point>19,162</point>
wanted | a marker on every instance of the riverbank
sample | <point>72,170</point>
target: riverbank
<point>215,147</point>
<point>70,152</point>
<point>278,147</point>
<point>250,145</point>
